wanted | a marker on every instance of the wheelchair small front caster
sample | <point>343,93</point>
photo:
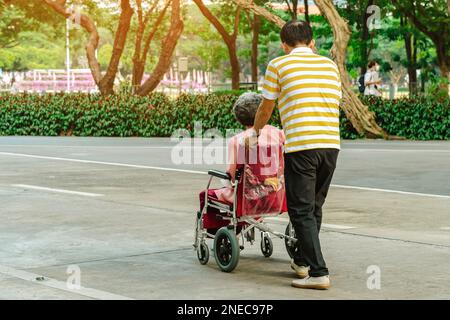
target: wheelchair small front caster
<point>266,245</point>
<point>203,253</point>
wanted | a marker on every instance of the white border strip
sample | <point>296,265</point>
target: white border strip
<point>78,193</point>
<point>56,284</point>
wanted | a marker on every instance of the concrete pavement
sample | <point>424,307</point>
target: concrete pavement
<point>127,223</point>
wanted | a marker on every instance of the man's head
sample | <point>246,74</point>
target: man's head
<point>296,33</point>
<point>245,108</point>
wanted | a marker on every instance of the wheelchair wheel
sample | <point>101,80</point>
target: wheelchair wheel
<point>226,249</point>
<point>203,253</point>
<point>266,245</point>
<point>291,246</point>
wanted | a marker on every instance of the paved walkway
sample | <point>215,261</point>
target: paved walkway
<point>121,213</point>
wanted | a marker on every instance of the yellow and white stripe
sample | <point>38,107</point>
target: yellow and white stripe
<point>308,89</point>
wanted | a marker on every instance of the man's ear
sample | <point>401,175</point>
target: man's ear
<point>285,48</point>
<point>312,45</point>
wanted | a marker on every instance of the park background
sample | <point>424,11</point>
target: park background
<point>147,68</point>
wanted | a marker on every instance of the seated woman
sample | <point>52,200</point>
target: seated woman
<point>245,110</point>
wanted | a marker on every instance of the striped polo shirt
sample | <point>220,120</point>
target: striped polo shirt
<point>308,89</point>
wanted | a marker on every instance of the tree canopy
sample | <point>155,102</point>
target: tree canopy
<point>233,39</point>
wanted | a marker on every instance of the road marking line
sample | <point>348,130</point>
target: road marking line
<point>398,150</point>
<point>204,173</point>
<point>324,225</point>
<point>336,226</point>
<point>100,162</point>
<point>106,147</point>
<point>392,191</point>
<point>56,284</point>
<point>87,194</point>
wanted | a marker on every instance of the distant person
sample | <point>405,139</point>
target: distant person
<point>372,80</point>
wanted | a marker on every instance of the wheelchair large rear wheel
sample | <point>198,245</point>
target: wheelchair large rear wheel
<point>291,246</point>
<point>226,249</point>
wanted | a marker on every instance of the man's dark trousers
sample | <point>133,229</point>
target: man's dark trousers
<point>308,175</point>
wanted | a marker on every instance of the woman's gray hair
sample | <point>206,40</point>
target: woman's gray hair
<point>246,106</point>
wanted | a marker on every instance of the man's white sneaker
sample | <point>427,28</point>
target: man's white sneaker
<point>301,271</point>
<point>320,283</point>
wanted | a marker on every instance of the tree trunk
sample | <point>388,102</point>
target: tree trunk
<point>256,25</point>
<point>168,47</point>
<point>140,55</point>
<point>137,73</point>
<point>289,9</point>
<point>411,58</point>
<point>445,73</point>
<point>137,46</point>
<point>230,40</point>
<point>423,80</point>
<point>88,24</point>
<point>235,67</point>
<point>105,84</point>
<point>358,114</point>
<point>294,9</point>
<point>364,52</point>
<point>306,11</point>
<point>443,58</point>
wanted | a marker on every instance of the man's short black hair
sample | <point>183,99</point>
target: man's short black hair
<point>296,32</point>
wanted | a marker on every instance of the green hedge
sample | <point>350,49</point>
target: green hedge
<point>121,116</point>
<point>419,118</point>
<point>159,116</point>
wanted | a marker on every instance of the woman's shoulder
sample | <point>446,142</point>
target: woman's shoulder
<point>274,132</point>
<point>270,128</point>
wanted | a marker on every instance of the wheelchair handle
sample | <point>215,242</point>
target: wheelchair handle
<point>219,174</point>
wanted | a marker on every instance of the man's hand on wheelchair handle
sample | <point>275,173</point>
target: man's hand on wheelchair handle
<point>263,115</point>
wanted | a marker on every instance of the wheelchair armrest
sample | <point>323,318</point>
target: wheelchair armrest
<point>219,174</point>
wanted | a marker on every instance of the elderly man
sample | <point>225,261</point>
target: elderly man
<point>308,90</point>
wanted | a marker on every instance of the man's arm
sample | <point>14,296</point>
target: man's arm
<point>270,92</point>
<point>373,82</point>
<point>263,114</point>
